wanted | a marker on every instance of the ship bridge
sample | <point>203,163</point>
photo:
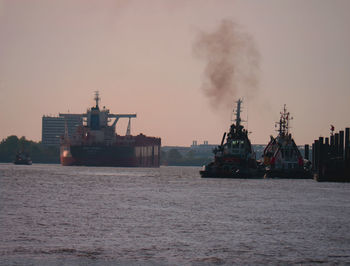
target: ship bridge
<point>97,119</point>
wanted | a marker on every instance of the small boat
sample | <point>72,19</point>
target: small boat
<point>234,158</point>
<point>22,158</point>
<point>282,157</point>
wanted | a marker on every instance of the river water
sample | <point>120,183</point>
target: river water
<point>55,215</point>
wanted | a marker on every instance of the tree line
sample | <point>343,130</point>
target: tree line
<point>51,154</point>
<point>175,158</point>
<point>38,152</point>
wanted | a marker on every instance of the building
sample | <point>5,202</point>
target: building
<point>205,147</point>
<point>53,127</point>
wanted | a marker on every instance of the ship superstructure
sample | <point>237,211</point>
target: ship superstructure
<point>96,142</point>
<point>234,158</point>
<point>281,156</point>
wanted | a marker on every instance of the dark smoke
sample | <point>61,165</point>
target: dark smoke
<point>232,64</point>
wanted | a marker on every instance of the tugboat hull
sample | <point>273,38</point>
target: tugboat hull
<point>234,158</point>
<point>22,159</point>
<point>282,157</point>
<point>233,170</point>
<point>245,174</point>
<point>23,162</point>
<point>290,174</point>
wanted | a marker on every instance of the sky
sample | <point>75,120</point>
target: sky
<point>146,57</point>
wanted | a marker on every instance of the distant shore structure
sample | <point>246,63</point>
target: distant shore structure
<point>53,127</point>
<point>331,157</point>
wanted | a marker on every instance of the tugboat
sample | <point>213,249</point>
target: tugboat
<point>22,158</point>
<point>235,158</point>
<point>282,157</point>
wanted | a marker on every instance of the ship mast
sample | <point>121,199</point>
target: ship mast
<point>97,98</point>
<point>284,122</point>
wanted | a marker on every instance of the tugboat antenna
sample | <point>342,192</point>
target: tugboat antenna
<point>284,122</point>
<point>238,112</point>
<point>248,122</point>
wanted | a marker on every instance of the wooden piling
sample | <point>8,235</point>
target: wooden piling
<point>332,157</point>
<point>332,140</point>
<point>341,144</point>
<point>347,143</point>
<point>317,148</point>
<point>321,158</point>
<point>336,144</point>
<point>313,156</point>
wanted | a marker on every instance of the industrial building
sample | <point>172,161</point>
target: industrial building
<point>53,127</point>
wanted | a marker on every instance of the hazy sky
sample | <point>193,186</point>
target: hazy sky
<point>142,56</point>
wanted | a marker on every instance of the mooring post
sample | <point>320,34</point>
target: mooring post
<point>326,149</point>
<point>313,156</point>
<point>331,148</point>
<point>336,144</point>
<point>347,142</point>
<point>320,157</point>
<point>321,143</point>
<point>341,144</point>
<point>306,151</point>
<point>317,155</point>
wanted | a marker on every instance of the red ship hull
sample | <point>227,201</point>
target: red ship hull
<point>139,151</point>
<point>67,161</point>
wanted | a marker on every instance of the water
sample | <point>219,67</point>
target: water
<point>54,215</point>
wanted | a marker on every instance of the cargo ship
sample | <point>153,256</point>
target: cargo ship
<point>234,158</point>
<point>96,143</point>
<point>281,156</point>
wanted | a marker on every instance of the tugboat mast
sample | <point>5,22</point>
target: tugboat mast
<point>238,113</point>
<point>284,122</point>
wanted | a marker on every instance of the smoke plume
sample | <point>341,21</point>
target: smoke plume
<point>232,64</point>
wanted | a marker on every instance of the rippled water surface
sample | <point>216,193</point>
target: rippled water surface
<point>55,215</point>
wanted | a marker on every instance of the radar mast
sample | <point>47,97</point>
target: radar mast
<point>238,113</point>
<point>97,98</point>
<point>284,122</point>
